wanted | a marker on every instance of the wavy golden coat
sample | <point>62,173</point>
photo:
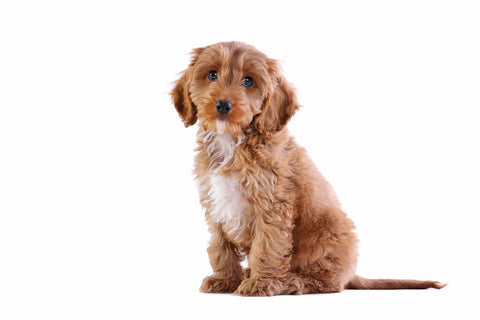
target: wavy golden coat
<point>264,198</point>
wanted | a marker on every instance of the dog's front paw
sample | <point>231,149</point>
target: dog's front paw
<point>217,284</point>
<point>258,286</point>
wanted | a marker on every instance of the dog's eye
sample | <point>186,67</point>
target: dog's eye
<point>247,82</point>
<point>212,75</point>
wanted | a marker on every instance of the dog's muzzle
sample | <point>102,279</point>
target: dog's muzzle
<point>223,107</point>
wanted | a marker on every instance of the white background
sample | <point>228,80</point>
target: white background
<point>99,215</point>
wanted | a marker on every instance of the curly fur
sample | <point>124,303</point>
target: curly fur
<point>264,198</point>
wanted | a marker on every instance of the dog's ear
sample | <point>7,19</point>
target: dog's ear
<point>181,95</point>
<point>280,104</point>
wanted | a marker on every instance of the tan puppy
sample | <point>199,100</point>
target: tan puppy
<point>264,198</point>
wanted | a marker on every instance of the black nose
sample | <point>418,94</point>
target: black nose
<point>223,106</point>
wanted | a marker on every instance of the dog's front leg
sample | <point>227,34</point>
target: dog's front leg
<point>270,254</point>
<point>225,262</point>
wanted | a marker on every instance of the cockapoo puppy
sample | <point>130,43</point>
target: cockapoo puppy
<point>264,198</point>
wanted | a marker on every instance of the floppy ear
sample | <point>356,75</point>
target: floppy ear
<point>180,93</point>
<point>280,104</point>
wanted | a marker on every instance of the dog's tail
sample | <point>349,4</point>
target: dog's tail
<point>389,284</point>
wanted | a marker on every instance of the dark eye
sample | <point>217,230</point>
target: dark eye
<point>212,75</point>
<point>247,82</point>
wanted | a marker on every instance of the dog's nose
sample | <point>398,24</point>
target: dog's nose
<point>223,106</point>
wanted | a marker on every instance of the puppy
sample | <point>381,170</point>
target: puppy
<point>264,198</point>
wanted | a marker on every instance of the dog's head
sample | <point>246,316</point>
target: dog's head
<point>230,85</point>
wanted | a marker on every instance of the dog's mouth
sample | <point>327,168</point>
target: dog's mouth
<point>221,124</point>
<point>224,125</point>
<point>233,122</point>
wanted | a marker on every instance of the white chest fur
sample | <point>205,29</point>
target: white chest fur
<point>229,206</point>
<point>225,200</point>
